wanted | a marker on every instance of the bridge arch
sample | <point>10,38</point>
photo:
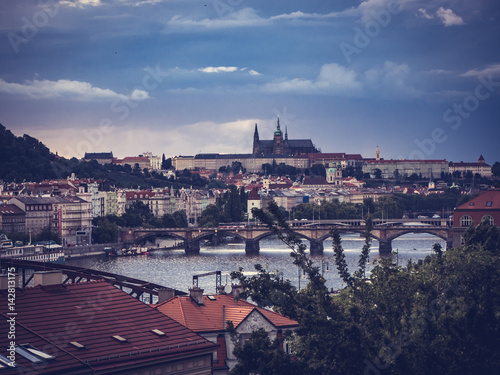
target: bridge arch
<point>156,234</point>
<point>440,234</point>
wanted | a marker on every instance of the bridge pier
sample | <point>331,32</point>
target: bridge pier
<point>252,247</point>
<point>384,247</point>
<point>316,247</point>
<point>192,247</point>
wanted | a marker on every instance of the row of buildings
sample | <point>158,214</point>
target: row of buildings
<point>144,161</point>
<point>300,154</point>
<point>67,207</point>
<point>388,168</point>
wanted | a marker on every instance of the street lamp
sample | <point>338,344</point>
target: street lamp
<point>324,266</point>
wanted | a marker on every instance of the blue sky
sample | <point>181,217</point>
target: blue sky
<point>420,79</point>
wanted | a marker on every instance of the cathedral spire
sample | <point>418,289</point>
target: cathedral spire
<point>278,130</point>
<point>286,133</point>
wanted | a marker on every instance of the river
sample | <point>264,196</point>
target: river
<point>174,269</point>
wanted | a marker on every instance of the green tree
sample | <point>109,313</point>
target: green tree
<point>232,204</point>
<point>495,169</point>
<point>439,316</point>
<point>318,170</point>
<point>260,355</point>
<point>210,217</point>
<point>267,169</point>
<point>180,219</point>
<point>105,231</point>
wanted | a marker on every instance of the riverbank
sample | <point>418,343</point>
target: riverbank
<point>89,250</point>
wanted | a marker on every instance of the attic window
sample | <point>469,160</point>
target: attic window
<point>158,332</point>
<point>488,204</point>
<point>471,204</point>
<point>119,338</point>
<point>212,298</point>
<point>77,345</point>
<point>33,355</point>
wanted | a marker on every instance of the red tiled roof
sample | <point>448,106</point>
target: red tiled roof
<point>11,209</point>
<point>210,316</point>
<point>316,180</point>
<point>469,164</point>
<point>373,161</point>
<point>481,202</point>
<point>254,195</point>
<point>90,313</point>
<point>280,186</point>
<point>64,362</point>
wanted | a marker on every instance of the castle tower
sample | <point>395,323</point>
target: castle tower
<point>278,140</point>
<point>256,148</point>
<point>377,154</point>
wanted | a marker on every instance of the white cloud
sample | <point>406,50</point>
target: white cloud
<point>424,14</point>
<point>218,69</point>
<point>493,69</point>
<point>81,3</point>
<point>240,18</point>
<point>66,89</point>
<point>391,81</point>
<point>449,18</point>
<point>254,73</point>
<point>331,78</point>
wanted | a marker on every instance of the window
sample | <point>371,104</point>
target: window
<point>158,332</point>
<point>33,355</point>
<point>77,345</point>
<point>488,204</point>
<point>466,221</point>
<point>489,219</point>
<point>5,363</point>
<point>119,338</point>
<point>471,204</point>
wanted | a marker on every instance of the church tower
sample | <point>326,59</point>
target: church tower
<point>377,154</point>
<point>278,140</point>
<point>256,148</point>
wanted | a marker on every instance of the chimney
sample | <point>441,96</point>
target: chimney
<point>196,295</point>
<point>7,282</point>
<point>165,294</point>
<point>236,290</point>
<point>221,289</point>
<point>46,278</point>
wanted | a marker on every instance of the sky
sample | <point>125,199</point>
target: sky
<point>418,79</point>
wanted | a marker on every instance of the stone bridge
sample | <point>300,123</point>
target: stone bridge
<point>384,231</point>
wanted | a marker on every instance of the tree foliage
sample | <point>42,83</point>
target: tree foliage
<point>439,316</point>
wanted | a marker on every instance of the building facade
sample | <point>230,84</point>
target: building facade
<point>406,168</point>
<point>480,168</point>
<point>252,163</point>
<point>12,219</point>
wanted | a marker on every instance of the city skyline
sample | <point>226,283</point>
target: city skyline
<point>419,79</point>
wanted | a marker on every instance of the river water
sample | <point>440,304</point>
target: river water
<point>174,269</point>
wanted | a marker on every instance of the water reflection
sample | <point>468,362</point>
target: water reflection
<point>173,268</point>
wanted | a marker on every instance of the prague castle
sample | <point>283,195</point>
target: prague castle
<point>282,146</point>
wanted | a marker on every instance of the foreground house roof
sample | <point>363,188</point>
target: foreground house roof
<point>112,330</point>
<point>489,200</point>
<point>215,311</point>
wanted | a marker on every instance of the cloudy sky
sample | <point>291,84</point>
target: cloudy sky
<point>420,79</point>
